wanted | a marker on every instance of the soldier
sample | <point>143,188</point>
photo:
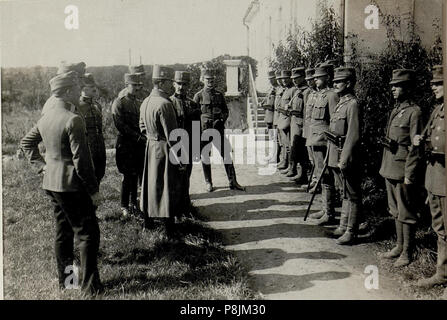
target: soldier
<point>69,180</point>
<point>278,94</point>
<point>399,164</point>
<point>139,71</point>
<point>130,143</point>
<point>214,114</point>
<point>343,149</point>
<point>284,119</point>
<point>325,102</point>
<point>308,107</point>
<point>64,67</point>
<point>269,104</point>
<point>92,114</point>
<point>159,191</point>
<point>187,111</point>
<point>434,138</point>
<point>298,152</point>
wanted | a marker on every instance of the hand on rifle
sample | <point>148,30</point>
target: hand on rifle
<point>417,140</point>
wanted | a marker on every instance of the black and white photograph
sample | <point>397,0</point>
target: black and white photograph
<point>240,151</point>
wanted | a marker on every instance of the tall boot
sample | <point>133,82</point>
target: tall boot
<point>231,174</point>
<point>405,257</point>
<point>207,173</point>
<point>292,169</point>
<point>343,219</point>
<point>284,163</point>
<point>351,232</point>
<point>328,206</point>
<point>397,250</point>
<point>440,277</point>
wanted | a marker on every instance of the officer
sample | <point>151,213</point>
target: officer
<point>399,163</point>
<point>278,94</point>
<point>308,107</point>
<point>130,143</point>
<point>284,119</point>
<point>343,149</point>
<point>64,67</point>
<point>69,180</point>
<point>92,114</point>
<point>269,104</point>
<point>187,111</point>
<point>434,142</point>
<point>160,187</point>
<point>214,114</point>
<point>325,102</point>
<point>298,152</point>
<point>139,71</point>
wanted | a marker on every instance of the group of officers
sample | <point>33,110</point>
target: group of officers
<point>317,119</point>
<point>75,159</point>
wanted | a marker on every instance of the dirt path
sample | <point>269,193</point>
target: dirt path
<point>287,257</point>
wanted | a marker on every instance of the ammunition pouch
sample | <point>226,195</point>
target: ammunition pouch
<point>283,111</point>
<point>335,139</point>
<point>268,107</point>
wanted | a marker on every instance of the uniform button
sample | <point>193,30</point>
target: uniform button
<point>439,128</point>
<point>436,138</point>
<point>436,148</point>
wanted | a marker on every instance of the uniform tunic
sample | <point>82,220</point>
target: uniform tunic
<point>91,112</point>
<point>324,104</point>
<point>278,94</point>
<point>269,105</point>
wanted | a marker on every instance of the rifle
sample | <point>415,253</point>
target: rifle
<point>326,158</point>
<point>311,176</point>
<point>335,139</point>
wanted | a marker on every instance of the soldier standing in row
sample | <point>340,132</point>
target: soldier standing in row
<point>187,111</point>
<point>343,149</point>
<point>284,119</point>
<point>269,103</point>
<point>130,143</point>
<point>92,114</point>
<point>434,143</point>
<point>214,114</point>
<point>69,180</point>
<point>308,107</point>
<point>399,164</point>
<point>160,187</point>
<point>325,102</point>
<point>298,152</point>
<point>278,94</point>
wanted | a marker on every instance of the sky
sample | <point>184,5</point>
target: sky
<point>33,32</point>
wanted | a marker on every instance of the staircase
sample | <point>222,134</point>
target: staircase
<point>255,113</point>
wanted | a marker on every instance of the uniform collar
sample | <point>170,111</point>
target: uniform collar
<point>346,97</point>
<point>160,93</point>
<point>403,105</point>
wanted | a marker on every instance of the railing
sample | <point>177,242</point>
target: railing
<point>253,94</point>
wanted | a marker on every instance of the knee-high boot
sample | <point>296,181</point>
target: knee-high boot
<point>231,174</point>
<point>397,250</point>
<point>406,256</point>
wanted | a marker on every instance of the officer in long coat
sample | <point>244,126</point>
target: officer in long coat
<point>92,115</point>
<point>69,180</point>
<point>434,145</point>
<point>130,142</point>
<point>343,149</point>
<point>308,107</point>
<point>298,151</point>
<point>214,115</point>
<point>325,102</point>
<point>188,115</point>
<point>160,195</point>
<point>399,163</point>
<point>284,119</point>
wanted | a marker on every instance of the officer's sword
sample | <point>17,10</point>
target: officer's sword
<point>318,183</point>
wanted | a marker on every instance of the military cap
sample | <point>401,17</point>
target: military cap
<point>64,80</point>
<point>310,73</point>
<point>162,73</point>
<point>132,78</point>
<point>344,73</point>
<point>77,67</point>
<point>208,73</point>
<point>323,70</point>
<point>437,74</point>
<point>402,75</point>
<point>136,69</point>
<point>182,76</point>
<point>285,74</point>
<point>88,80</point>
<point>278,74</point>
<point>298,72</point>
<point>271,74</point>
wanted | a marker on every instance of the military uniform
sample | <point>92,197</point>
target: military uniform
<point>308,108</point>
<point>92,114</point>
<point>400,161</point>
<point>130,143</point>
<point>278,94</point>
<point>214,114</point>
<point>269,104</point>
<point>186,111</point>
<point>69,180</point>
<point>160,187</point>
<point>139,71</point>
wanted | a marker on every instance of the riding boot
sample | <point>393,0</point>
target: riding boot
<point>292,169</point>
<point>440,277</point>
<point>231,174</point>
<point>351,232</point>
<point>406,256</point>
<point>284,163</point>
<point>343,219</point>
<point>397,250</point>
<point>328,206</point>
<point>207,173</point>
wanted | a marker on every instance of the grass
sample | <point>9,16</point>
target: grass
<point>133,264</point>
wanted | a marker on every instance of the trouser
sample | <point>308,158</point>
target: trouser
<point>327,181</point>
<point>129,188</point>
<point>439,225</point>
<point>75,217</point>
<point>298,152</point>
<point>400,202</point>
